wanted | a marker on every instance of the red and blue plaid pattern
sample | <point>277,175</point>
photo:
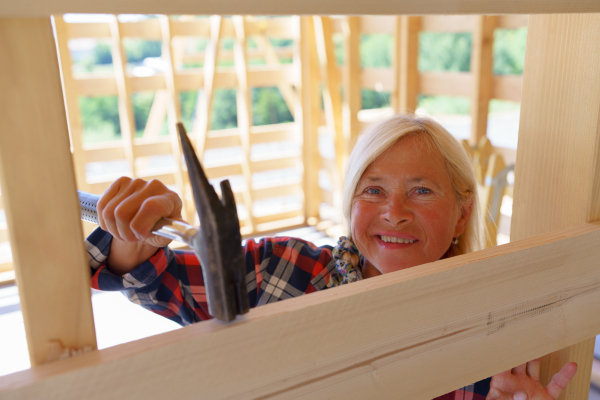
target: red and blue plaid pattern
<point>170,283</point>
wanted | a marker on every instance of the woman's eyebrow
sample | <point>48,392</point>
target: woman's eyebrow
<point>424,179</point>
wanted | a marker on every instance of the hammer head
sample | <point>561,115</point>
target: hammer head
<point>218,243</point>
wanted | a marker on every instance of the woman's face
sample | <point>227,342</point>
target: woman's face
<point>404,211</point>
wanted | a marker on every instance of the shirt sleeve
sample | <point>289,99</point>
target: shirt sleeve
<point>171,284</point>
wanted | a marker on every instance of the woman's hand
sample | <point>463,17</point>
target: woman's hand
<point>523,383</point>
<point>128,210</point>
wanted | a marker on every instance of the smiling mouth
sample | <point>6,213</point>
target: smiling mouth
<point>392,239</point>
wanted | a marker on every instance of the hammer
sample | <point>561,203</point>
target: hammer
<point>217,242</point>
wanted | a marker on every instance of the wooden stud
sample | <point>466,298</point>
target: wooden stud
<point>558,158</point>
<point>126,117</point>
<point>71,100</point>
<point>408,73</point>
<point>461,320</point>
<point>332,101</point>
<point>38,189</point>
<point>481,74</point>
<point>244,109</point>
<point>310,93</point>
<point>487,193</point>
<point>202,121</point>
<point>352,103</point>
<point>174,116</point>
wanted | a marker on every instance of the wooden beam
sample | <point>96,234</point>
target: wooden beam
<point>352,103</point>
<point>408,72</point>
<point>460,319</point>
<point>481,74</point>
<point>71,99</point>
<point>126,117</point>
<point>310,93</point>
<point>38,189</point>
<point>36,8</point>
<point>556,177</point>
<point>244,110</point>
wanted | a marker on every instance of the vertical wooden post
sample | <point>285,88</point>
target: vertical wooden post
<point>244,110</point>
<point>38,189</point>
<point>352,103</point>
<point>211,55</point>
<point>309,92</point>
<point>174,115</point>
<point>332,99</point>
<point>407,45</point>
<point>71,100</point>
<point>557,179</point>
<point>126,116</point>
<point>481,74</point>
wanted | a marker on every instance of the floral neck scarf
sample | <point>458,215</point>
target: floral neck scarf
<point>348,263</point>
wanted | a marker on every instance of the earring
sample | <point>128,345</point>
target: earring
<point>455,241</point>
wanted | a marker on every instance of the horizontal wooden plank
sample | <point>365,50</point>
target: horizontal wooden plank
<point>460,319</point>
<point>280,224</point>
<point>445,84</point>
<point>265,219</point>
<point>377,24</point>
<point>107,151</point>
<point>148,29</point>
<point>287,189</point>
<point>291,160</point>
<point>187,80</point>
<point>379,79</point>
<point>78,30</point>
<point>227,55</point>
<point>448,23</point>
<point>40,8</point>
<point>7,277</point>
<point>512,21</point>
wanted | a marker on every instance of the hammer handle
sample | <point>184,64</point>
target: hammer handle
<point>166,227</point>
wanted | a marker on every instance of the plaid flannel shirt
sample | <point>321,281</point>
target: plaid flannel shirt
<point>170,283</point>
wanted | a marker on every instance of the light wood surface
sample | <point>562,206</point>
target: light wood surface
<point>32,8</point>
<point>556,176</point>
<point>71,100</point>
<point>460,319</point>
<point>352,100</point>
<point>481,74</point>
<point>38,189</point>
<point>408,49</point>
<point>126,118</point>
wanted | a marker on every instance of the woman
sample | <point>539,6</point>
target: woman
<point>410,198</point>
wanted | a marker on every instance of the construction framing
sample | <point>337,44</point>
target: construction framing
<point>458,320</point>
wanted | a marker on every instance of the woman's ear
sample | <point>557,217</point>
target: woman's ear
<point>461,224</point>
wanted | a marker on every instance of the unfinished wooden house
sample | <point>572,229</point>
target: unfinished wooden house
<point>459,320</point>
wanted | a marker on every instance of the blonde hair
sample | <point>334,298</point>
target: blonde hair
<point>380,136</point>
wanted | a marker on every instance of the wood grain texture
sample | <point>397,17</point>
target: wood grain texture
<point>558,158</point>
<point>408,71</point>
<point>459,319</point>
<point>481,74</point>
<point>38,189</point>
<point>309,114</point>
<point>126,118</point>
<point>31,8</point>
<point>71,100</point>
<point>352,102</point>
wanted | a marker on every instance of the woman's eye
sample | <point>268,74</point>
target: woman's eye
<point>372,191</point>
<point>422,190</point>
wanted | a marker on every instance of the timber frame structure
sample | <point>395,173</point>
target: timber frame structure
<point>458,320</point>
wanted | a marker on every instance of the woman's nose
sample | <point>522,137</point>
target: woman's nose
<point>397,211</point>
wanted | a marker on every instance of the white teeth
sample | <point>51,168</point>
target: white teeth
<point>393,239</point>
